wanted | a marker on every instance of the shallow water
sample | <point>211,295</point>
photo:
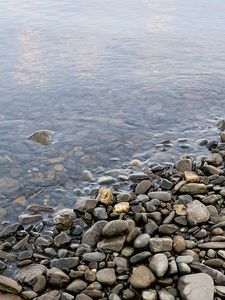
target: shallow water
<point>112,79</point>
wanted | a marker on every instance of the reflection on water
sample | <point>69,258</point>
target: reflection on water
<point>31,68</point>
<point>112,79</point>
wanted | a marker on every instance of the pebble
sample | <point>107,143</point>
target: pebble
<point>167,229</point>
<point>143,187</point>
<point>122,207</point>
<point>9,285</point>
<point>139,257</point>
<point>105,180</point>
<point>76,286</point>
<point>142,278</point>
<point>149,294</point>
<point>27,219</point>
<point>162,196</point>
<point>193,188</point>
<point>164,295</point>
<point>159,264</point>
<point>114,227</point>
<point>94,256</point>
<point>93,234</point>
<point>197,213</point>
<point>179,244</point>
<point>64,219</point>
<point>105,196</point>
<point>160,244</point>
<point>106,276</point>
<point>43,137</point>
<point>196,286</point>
<point>141,241</point>
<point>57,276</point>
<point>62,239</point>
<point>114,244</point>
<point>184,165</point>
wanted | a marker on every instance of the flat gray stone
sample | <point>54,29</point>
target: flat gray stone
<point>162,196</point>
<point>160,244</point>
<point>159,264</point>
<point>197,213</point>
<point>218,277</point>
<point>115,227</point>
<point>193,188</point>
<point>106,276</point>
<point>92,236</point>
<point>196,287</point>
<point>9,285</point>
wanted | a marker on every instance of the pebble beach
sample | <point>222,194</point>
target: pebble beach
<point>162,237</point>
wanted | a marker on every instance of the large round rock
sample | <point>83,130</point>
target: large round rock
<point>197,213</point>
<point>115,227</point>
<point>142,278</point>
<point>159,264</point>
<point>106,276</point>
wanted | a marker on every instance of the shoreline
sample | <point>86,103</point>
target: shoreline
<point>163,238</point>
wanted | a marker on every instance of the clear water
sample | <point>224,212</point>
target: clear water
<point>112,79</point>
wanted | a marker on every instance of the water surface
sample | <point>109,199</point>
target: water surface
<point>112,79</point>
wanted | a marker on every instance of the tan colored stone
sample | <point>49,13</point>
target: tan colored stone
<point>122,207</point>
<point>6,296</point>
<point>9,285</point>
<point>191,177</point>
<point>105,196</point>
<point>180,209</point>
<point>41,136</point>
<point>179,244</point>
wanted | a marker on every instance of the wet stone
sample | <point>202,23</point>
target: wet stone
<point>64,219</point>
<point>43,137</point>
<point>115,227</point>
<point>184,165</point>
<point>29,273</point>
<point>27,254</point>
<point>106,180</point>
<point>2,266</point>
<point>10,230</point>
<point>62,239</point>
<point>100,213</point>
<point>9,285</point>
<point>162,196</point>
<point>143,187</point>
<point>92,235</point>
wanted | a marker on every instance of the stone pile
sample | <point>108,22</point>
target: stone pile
<point>163,239</point>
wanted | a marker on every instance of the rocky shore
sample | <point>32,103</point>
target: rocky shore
<point>163,239</point>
